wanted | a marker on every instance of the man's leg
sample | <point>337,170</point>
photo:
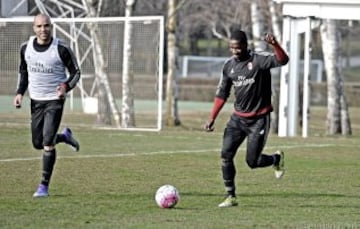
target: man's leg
<point>232,139</point>
<point>48,162</point>
<point>52,114</point>
<point>256,142</point>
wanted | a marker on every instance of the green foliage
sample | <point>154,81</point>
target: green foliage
<point>112,181</point>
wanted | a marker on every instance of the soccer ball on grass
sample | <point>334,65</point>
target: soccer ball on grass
<point>167,196</point>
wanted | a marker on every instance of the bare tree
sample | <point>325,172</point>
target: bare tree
<point>100,73</point>
<point>258,25</point>
<point>276,29</point>
<point>275,19</point>
<point>128,110</point>
<point>216,16</point>
<point>171,120</point>
<point>113,8</point>
<point>338,121</point>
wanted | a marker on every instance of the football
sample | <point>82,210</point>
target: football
<point>167,196</point>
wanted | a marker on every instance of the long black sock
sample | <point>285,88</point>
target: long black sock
<point>49,158</point>
<point>266,160</point>
<point>229,172</point>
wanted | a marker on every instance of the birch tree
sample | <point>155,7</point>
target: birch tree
<point>275,20</point>
<point>107,102</point>
<point>276,29</point>
<point>338,120</point>
<point>171,120</point>
<point>128,110</point>
<point>258,23</point>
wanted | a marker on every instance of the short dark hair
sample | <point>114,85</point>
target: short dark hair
<point>239,35</point>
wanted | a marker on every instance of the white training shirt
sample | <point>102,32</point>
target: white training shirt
<point>46,71</point>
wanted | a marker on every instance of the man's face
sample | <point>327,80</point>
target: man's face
<point>237,49</point>
<point>42,28</point>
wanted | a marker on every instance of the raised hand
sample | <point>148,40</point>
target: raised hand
<point>270,39</point>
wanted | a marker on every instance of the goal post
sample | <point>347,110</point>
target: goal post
<point>147,47</point>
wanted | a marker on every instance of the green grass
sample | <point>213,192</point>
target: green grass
<point>111,182</point>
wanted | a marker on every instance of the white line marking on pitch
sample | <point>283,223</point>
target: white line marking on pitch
<point>157,153</point>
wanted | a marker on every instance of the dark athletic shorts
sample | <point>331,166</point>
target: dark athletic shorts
<point>45,121</point>
<point>256,131</point>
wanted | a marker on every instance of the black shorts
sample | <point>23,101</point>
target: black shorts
<point>45,121</point>
<point>238,128</point>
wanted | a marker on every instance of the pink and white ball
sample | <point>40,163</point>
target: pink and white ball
<point>167,196</point>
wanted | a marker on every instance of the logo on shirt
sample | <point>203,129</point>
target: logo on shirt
<point>40,67</point>
<point>242,81</point>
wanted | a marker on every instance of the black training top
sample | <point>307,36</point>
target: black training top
<point>251,80</point>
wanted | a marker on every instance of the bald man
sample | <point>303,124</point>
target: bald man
<point>43,64</point>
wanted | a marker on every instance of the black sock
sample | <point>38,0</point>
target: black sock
<point>265,161</point>
<point>229,172</point>
<point>59,138</point>
<point>231,190</point>
<point>276,159</point>
<point>49,158</point>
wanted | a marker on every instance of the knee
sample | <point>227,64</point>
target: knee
<point>37,145</point>
<point>49,148</point>
<point>251,163</point>
<point>37,142</point>
<point>40,146</point>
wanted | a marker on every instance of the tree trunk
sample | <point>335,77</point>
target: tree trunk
<point>275,20</point>
<point>276,27</point>
<point>103,116</point>
<point>171,120</point>
<point>101,75</point>
<point>128,111</point>
<point>338,121</point>
<point>257,19</point>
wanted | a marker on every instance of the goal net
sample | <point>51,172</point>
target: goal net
<point>211,67</point>
<point>104,53</point>
<point>202,66</point>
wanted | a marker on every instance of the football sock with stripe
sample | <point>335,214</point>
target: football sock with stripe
<point>49,158</point>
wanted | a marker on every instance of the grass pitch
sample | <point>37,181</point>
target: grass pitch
<point>112,181</point>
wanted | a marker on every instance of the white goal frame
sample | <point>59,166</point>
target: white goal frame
<point>77,31</point>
